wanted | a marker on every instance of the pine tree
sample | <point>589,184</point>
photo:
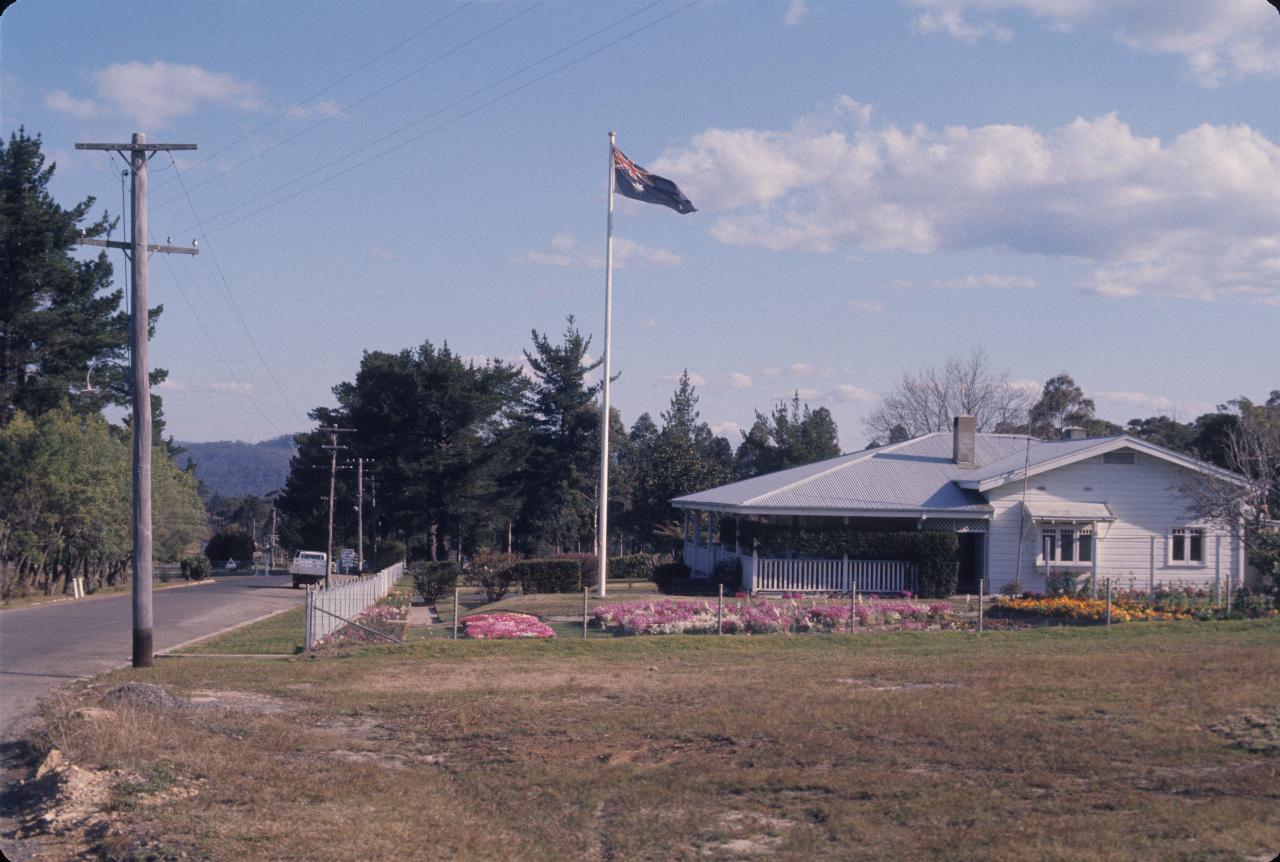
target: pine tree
<point>57,314</point>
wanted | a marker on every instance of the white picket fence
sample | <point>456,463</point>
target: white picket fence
<point>327,610</point>
<point>774,575</point>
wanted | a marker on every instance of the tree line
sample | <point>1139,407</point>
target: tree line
<point>463,455</point>
<point>65,491</point>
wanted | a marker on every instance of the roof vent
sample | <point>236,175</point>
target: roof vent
<point>1073,432</point>
<point>1121,456</point>
<point>963,442</point>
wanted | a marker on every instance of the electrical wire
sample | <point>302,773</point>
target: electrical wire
<point>448,122</point>
<point>357,102</point>
<point>231,296</point>
<point>328,87</point>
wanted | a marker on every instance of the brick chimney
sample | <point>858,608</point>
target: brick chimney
<point>963,442</point>
<point>1073,432</point>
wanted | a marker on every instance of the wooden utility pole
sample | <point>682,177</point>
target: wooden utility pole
<point>333,448</point>
<point>271,560</point>
<point>139,151</point>
<point>359,516</point>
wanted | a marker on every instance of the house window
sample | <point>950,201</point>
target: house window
<point>1066,544</point>
<point>1186,546</point>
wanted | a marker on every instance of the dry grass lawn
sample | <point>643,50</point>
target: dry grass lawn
<point>1145,741</point>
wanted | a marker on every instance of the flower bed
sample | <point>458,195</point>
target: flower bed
<point>765,616</point>
<point>502,626</point>
<point>1129,607</point>
<point>388,616</point>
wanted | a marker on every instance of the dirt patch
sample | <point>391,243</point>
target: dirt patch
<point>463,677</point>
<point>245,701</point>
<point>874,685</point>
<point>1254,732</point>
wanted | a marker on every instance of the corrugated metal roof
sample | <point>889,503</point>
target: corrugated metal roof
<point>1041,451</point>
<point>917,474</point>
<point>1059,510</point>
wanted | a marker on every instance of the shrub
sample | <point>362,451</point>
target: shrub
<point>1265,560</point>
<point>389,553</point>
<point>632,567</point>
<point>729,573</point>
<point>433,579</point>
<point>1062,583</point>
<point>555,575</point>
<point>491,572</point>
<point>195,567</point>
<point>666,573</point>
<point>587,565</point>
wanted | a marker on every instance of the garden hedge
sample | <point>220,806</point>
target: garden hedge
<point>432,579</point>
<point>556,575</point>
<point>933,552</point>
<point>667,573</point>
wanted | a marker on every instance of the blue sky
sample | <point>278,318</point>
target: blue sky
<point>1089,186</point>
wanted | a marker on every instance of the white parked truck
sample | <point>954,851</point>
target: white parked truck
<point>308,567</point>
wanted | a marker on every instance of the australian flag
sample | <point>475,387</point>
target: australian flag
<point>635,182</point>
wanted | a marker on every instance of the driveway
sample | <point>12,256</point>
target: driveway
<point>45,646</point>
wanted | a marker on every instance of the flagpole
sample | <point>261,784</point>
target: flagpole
<point>602,550</point>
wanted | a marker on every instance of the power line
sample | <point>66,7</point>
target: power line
<point>328,87</point>
<point>214,344</point>
<point>231,296</point>
<point>451,121</point>
<point>359,101</point>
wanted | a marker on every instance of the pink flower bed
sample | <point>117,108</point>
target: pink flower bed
<point>386,618</point>
<point>765,616</point>
<point>500,626</point>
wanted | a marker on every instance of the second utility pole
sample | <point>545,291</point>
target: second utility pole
<point>333,448</point>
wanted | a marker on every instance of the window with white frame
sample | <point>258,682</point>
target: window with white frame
<point>1067,544</point>
<point>1186,546</point>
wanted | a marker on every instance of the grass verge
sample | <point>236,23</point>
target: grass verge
<point>1081,744</point>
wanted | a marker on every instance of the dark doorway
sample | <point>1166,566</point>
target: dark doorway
<point>969,557</point>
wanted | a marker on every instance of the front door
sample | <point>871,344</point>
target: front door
<point>969,557</point>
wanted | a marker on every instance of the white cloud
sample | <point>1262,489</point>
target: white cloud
<point>1217,40</point>
<point>969,282</point>
<point>563,252</point>
<point>651,323</point>
<point>726,429</point>
<point>738,380</point>
<point>954,24</point>
<point>1031,388</point>
<point>694,377</point>
<point>323,108</point>
<point>64,103</point>
<point>1196,216</point>
<point>869,306</point>
<point>849,392</point>
<point>805,394</point>
<point>155,94</point>
<point>807,369</point>
<point>796,10</point>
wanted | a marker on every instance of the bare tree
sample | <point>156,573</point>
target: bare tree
<point>1243,503</point>
<point>927,401</point>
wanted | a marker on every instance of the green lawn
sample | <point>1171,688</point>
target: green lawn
<point>1142,741</point>
<point>281,634</point>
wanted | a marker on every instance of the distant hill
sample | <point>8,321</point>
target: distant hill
<point>232,468</point>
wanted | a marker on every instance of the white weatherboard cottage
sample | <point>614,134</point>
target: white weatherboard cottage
<point>1102,507</point>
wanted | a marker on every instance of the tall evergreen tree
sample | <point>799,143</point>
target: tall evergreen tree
<point>57,314</point>
<point>787,438</point>
<point>1063,404</point>
<point>560,470</point>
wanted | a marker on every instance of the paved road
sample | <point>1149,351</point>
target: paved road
<point>45,646</point>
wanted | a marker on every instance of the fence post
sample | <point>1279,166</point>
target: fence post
<point>982,595</point>
<point>306,619</point>
<point>853,606</point>
<point>720,611</point>
<point>1108,601</point>
<point>455,613</point>
<point>586,592</point>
